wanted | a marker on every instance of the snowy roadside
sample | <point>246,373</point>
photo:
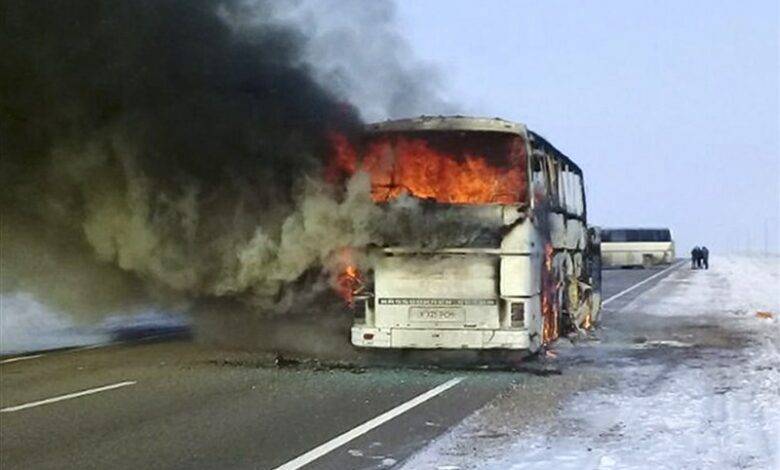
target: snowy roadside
<point>691,379</point>
<point>27,325</point>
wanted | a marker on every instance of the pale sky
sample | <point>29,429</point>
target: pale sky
<point>670,107</point>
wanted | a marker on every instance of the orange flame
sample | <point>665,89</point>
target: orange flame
<point>399,164</point>
<point>587,323</point>
<point>343,161</point>
<point>348,282</point>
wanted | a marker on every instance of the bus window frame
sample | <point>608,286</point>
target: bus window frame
<point>551,159</point>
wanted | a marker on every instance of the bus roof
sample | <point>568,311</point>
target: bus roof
<point>448,123</point>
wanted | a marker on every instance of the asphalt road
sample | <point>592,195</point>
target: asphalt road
<point>178,405</point>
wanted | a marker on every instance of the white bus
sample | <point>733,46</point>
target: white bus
<point>521,283</point>
<point>630,247</point>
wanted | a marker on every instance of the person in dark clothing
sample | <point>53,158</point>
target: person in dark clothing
<point>705,257</point>
<point>695,257</point>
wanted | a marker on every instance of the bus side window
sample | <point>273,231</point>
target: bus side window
<point>634,235</point>
<point>579,194</point>
<point>553,176</point>
<point>538,178</point>
<point>571,198</point>
<point>561,186</point>
<point>570,191</point>
<point>574,193</point>
<point>619,236</point>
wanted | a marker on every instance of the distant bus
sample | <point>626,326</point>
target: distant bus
<point>628,247</point>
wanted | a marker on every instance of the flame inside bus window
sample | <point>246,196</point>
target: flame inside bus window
<point>448,167</point>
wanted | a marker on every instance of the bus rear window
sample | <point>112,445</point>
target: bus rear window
<point>449,167</point>
<point>454,167</point>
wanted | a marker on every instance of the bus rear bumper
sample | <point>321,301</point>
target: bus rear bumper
<point>430,338</point>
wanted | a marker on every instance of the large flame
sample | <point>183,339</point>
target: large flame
<point>344,159</point>
<point>458,168</point>
<point>404,163</point>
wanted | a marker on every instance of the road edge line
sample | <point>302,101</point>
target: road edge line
<point>75,349</point>
<point>13,359</point>
<point>642,282</point>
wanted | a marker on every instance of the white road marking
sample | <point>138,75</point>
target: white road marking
<point>68,396</point>
<point>87,347</point>
<point>95,346</point>
<point>20,358</point>
<point>644,281</point>
<point>58,351</point>
<point>358,431</point>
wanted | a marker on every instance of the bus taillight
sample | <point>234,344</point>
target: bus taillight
<point>517,314</point>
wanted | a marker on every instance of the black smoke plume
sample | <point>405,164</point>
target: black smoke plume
<point>163,150</point>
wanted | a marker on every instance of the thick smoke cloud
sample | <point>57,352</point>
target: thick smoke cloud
<point>355,50</point>
<point>165,152</point>
<point>169,147</point>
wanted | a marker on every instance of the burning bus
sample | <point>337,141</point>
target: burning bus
<point>486,243</point>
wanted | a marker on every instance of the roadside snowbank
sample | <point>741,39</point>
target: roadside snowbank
<point>27,325</point>
<point>701,390</point>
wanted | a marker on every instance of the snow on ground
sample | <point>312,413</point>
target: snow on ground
<point>27,325</point>
<point>691,380</point>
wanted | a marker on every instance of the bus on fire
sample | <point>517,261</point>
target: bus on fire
<point>515,269</point>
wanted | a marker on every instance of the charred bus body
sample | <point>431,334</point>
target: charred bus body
<point>502,257</point>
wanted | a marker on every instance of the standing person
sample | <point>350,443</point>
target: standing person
<point>695,255</point>
<point>705,257</point>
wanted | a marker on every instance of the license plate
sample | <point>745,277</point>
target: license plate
<point>436,314</point>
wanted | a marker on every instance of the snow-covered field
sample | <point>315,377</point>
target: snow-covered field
<point>690,379</point>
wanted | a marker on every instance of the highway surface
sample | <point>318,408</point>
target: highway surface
<point>175,404</point>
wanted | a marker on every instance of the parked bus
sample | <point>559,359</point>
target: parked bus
<point>630,247</point>
<point>523,281</point>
